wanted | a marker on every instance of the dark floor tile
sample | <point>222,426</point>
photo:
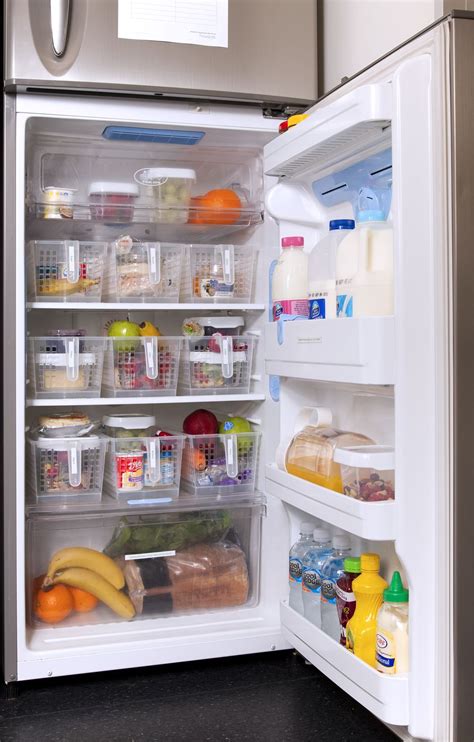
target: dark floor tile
<point>269,698</point>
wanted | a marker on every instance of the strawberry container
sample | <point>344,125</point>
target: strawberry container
<point>142,366</point>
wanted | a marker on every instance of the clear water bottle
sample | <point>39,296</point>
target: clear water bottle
<point>295,571</point>
<point>331,570</point>
<point>312,563</point>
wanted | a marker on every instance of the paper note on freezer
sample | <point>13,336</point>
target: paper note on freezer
<point>203,22</point>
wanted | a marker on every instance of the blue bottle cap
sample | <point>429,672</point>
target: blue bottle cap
<point>341,224</point>
<point>371,215</point>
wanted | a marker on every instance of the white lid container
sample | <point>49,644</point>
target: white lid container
<point>129,421</point>
<point>113,188</point>
<point>366,457</point>
<point>159,175</point>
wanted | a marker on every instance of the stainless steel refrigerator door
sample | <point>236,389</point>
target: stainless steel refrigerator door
<point>271,55</point>
<point>462,107</point>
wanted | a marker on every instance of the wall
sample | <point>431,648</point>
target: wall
<point>354,33</point>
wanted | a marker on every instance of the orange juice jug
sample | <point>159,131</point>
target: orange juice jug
<point>368,590</point>
<point>310,454</point>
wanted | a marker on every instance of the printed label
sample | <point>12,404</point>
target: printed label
<point>385,653</point>
<point>290,309</point>
<point>328,591</point>
<point>212,287</point>
<point>311,581</point>
<point>317,308</point>
<point>295,572</point>
<point>344,306</point>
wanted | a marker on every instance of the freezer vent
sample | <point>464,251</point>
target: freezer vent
<point>155,136</point>
<point>332,150</point>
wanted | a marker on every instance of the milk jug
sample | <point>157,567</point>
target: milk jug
<point>322,271</point>
<point>290,281</point>
<point>364,268</point>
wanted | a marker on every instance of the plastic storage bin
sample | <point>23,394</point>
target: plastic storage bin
<point>368,472</point>
<point>66,270</point>
<point>171,192</point>
<point>146,468</point>
<point>142,366</point>
<point>219,273</point>
<point>174,562</point>
<point>221,464</point>
<point>60,367</point>
<point>112,202</point>
<point>217,365</point>
<point>144,271</point>
<point>68,469</point>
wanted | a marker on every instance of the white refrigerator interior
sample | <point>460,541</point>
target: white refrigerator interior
<point>375,374</point>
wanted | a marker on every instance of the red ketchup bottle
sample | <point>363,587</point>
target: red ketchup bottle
<point>345,598</point>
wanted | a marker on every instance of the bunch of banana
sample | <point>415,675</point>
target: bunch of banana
<point>63,286</point>
<point>92,571</point>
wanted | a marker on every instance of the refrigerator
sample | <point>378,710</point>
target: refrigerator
<point>401,128</point>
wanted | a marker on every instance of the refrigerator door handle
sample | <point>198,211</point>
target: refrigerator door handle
<point>59,19</point>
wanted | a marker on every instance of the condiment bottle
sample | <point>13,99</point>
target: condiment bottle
<point>345,598</point>
<point>392,655</point>
<point>368,590</point>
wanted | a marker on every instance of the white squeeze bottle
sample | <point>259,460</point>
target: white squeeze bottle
<point>391,651</point>
<point>364,268</point>
<point>322,271</point>
<point>295,570</point>
<point>312,563</point>
<point>290,281</point>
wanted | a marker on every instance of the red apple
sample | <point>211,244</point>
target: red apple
<point>201,422</point>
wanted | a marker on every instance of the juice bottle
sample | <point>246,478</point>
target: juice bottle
<point>368,590</point>
<point>345,598</point>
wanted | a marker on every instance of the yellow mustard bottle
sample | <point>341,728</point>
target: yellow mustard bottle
<point>368,591</point>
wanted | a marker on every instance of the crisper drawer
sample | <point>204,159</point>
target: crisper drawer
<point>160,564</point>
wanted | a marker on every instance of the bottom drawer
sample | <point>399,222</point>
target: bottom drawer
<point>170,563</point>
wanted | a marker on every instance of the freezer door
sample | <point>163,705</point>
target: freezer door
<point>271,54</point>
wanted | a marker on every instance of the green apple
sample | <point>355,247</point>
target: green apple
<point>124,329</point>
<point>238,425</point>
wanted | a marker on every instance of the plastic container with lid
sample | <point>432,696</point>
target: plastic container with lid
<point>112,201</point>
<point>392,650</point>
<point>368,472</point>
<point>364,265</point>
<point>171,190</point>
<point>128,425</point>
<point>290,281</point>
<point>206,326</point>
<point>322,271</point>
<point>310,454</point>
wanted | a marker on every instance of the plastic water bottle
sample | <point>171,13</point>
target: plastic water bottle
<point>331,570</point>
<point>295,571</point>
<point>312,563</point>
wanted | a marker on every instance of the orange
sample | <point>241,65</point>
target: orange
<point>53,606</point>
<point>82,600</point>
<point>220,206</point>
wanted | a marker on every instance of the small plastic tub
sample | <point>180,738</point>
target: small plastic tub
<point>112,201</point>
<point>128,425</point>
<point>171,191</point>
<point>68,469</point>
<point>222,464</point>
<point>206,326</point>
<point>368,472</point>
<point>61,367</point>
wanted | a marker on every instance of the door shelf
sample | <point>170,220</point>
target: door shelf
<point>384,696</point>
<point>370,520</point>
<point>144,306</point>
<point>354,351</point>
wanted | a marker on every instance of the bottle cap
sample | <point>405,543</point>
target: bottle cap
<point>371,215</point>
<point>341,224</point>
<point>292,241</point>
<point>320,534</point>
<point>396,593</point>
<point>352,564</point>
<point>341,541</point>
<point>306,528</point>
<point>369,562</point>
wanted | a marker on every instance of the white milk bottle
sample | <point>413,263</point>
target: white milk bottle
<point>290,281</point>
<point>322,271</point>
<point>364,268</point>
